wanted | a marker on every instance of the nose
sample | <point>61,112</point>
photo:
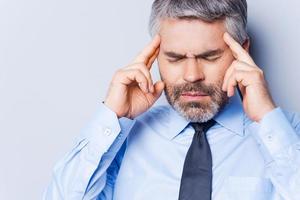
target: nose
<point>193,70</point>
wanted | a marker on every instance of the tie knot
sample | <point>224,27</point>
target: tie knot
<point>203,127</point>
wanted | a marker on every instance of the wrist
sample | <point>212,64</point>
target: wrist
<point>265,111</point>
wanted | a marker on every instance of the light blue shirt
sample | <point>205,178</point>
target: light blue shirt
<point>142,159</point>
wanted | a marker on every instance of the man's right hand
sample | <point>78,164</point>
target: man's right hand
<point>131,90</point>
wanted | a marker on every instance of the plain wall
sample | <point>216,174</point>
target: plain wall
<point>57,58</point>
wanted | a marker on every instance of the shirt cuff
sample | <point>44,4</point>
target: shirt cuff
<point>104,128</point>
<point>276,132</point>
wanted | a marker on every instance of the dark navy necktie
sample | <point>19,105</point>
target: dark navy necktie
<point>196,179</point>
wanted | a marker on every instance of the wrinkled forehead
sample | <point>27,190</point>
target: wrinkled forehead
<point>191,36</point>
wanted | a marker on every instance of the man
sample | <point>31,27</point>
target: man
<point>211,142</point>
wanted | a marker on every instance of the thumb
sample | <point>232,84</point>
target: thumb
<point>158,88</point>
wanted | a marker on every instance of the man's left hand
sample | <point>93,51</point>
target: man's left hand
<point>245,74</point>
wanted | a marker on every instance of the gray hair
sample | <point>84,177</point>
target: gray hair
<point>234,12</point>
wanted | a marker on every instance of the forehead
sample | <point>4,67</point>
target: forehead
<point>191,36</point>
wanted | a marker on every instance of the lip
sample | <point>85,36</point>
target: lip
<point>193,95</point>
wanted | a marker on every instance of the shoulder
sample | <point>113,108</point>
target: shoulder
<point>155,118</point>
<point>155,114</point>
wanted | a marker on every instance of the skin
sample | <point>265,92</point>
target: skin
<point>193,51</point>
<point>190,51</point>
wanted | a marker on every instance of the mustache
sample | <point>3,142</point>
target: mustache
<point>194,87</point>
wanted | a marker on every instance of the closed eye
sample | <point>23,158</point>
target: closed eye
<point>210,56</point>
<point>174,60</point>
<point>213,58</point>
<point>210,59</point>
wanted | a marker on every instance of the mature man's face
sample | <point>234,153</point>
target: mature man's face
<point>193,59</point>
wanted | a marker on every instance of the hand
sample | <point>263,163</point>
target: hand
<point>244,73</point>
<point>131,91</point>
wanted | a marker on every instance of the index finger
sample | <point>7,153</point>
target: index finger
<point>148,52</point>
<point>238,51</point>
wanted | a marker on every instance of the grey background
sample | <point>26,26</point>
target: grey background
<point>57,58</point>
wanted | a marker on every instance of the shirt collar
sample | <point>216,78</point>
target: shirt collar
<point>231,118</point>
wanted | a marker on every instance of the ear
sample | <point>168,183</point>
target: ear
<point>246,44</point>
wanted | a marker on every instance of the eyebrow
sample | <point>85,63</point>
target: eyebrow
<point>205,54</point>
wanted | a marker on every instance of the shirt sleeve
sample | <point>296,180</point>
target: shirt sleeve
<point>89,170</point>
<point>279,140</point>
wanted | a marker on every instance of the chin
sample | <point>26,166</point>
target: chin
<point>196,111</point>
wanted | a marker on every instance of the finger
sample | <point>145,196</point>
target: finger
<point>227,75</point>
<point>237,50</point>
<point>237,65</point>
<point>158,89</point>
<point>131,76</point>
<point>148,51</point>
<point>146,73</point>
<point>238,77</point>
<point>152,59</point>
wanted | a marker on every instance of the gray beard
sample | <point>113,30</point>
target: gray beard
<point>197,111</point>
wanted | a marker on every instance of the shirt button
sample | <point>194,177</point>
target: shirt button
<point>269,137</point>
<point>107,131</point>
